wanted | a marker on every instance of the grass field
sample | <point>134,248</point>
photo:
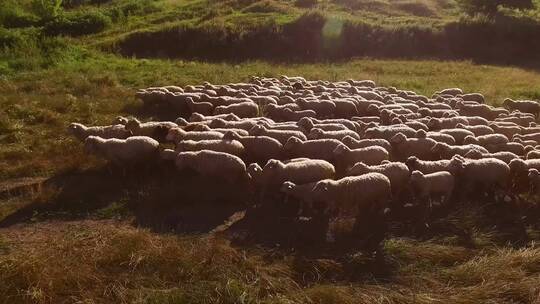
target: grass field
<point>87,251</point>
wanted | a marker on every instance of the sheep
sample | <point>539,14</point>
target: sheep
<point>482,110</point>
<point>425,112</point>
<point>168,154</point>
<point>403,147</point>
<point>281,135</point>
<point>534,180</point>
<point>275,172</point>
<point>534,154</point>
<point>445,123</point>
<point>478,130</point>
<point>351,125</point>
<point>244,124</point>
<point>505,156</point>
<point>315,149</point>
<point>81,132</point>
<point>427,167</point>
<point>398,174</point>
<point>351,195</point>
<point>458,134</point>
<point>133,150</point>
<point>323,108</point>
<point>532,136</point>
<point>307,124</point>
<point>364,143</point>
<point>525,142</point>
<point>178,134</point>
<point>440,137</point>
<point>450,91</point>
<point>445,151</point>
<point>257,148</point>
<point>220,130</point>
<point>197,117</point>
<point>388,132</point>
<point>521,121</point>
<point>484,173</point>
<point>204,108</point>
<point>476,97</point>
<point>317,133</point>
<point>526,106</point>
<point>345,108</point>
<point>476,120</point>
<point>513,147</point>
<point>233,147</point>
<point>154,129</point>
<point>485,140</point>
<point>243,109</point>
<point>303,193</point>
<point>120,120</point>
<point>427,186</point>
<point>215,164</point>
<point>345,157</point>
<point>508,131</point>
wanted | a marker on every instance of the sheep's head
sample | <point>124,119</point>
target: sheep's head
<point>120,120</point>
<point>440,148</point>
<point>255,172</point>
<point>196,117</point>
<point>398,139</point>
<point>457,164</point>
<point>340,150</point>
<point>433,123</point>
<point>424,112</point>
<point>291,143</point>
<point>315,133</point>
<point>508,103</point>
<point>168,154</point>
<point>416,177</point>
<point>201,127</point>
<point>133,125</point>
<point>231,135</point>
<point>528,148</point>
<point>273,164</point>
<point>373,110</point>
<point>305,123</point>
<point>411,162</point>
<point>517,165</point>
<point>287,187</point>
<point>173,133</point>
<point>217,123</point>
<point>76,129</point>
<point>421,134</point>
<point>469,139</point>
<point>474,154</point>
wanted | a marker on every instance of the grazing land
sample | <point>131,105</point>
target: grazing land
<point>74,230</point>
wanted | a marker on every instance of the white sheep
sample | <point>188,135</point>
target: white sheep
<point>440,137</point>
<point>352,195</point>
<point>437,184</point>
<point>258,148</point>
<point>215,164</point>
<point>484,173</point>
<point>315,149</point>
<point>387,132</point>
<point>197,117</point>
<point>178,134</point>
<point>154,129</point>
<point>398,174</point>
<point>345,157</point>
<point>233,147</point>
<point>204,108</point>
<point>243,109</point>
<point>281,135</point>
<point>505,156</point>
<point>81,132</point>
<point>485,140</point>
<point>526,106</point>
<point>307,124</point>
<point>303,193</point>
<point>445,151</point>
<point>478,130</point>
<point>133,150</point>
<point>364,143</point>
<point>446,123</point>
<point>403,147</point>
<point>317,133</point>
<point>323,108</point>
<point>426,166</point>
<point>458,134</point>
<point>275,172</point>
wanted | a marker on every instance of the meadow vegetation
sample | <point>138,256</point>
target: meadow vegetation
<point>81,61</point>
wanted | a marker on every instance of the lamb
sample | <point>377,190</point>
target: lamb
<point>427,167</point>
<point>133,150</point>
<point>364,143</point>
<point>476,120</point>
<point>482,110</point>
<point>215,164</point>
<point>257,148</point>
<point>485,140</point>
<point>154,129</point>
<point>478,130</point>
<point>317,133</point>
<point>432,185</point>
<point>398,174</point>
<point>346,157</point>
<point>403,147</point>
<point>81,132</point>
<point>355,194</point>
<point>315,149</point>
<point>243,109</point>
<point>204,108</point>
<point>526,106</point>
<point>233,147</point>
<point>275,172</point>
<point>445,151</point>
<point>505,156</point>
<point>425,112</point>
<point>178,134</point>
<point>281,135</point>
<point>345,108</point>
<point>513,147</point>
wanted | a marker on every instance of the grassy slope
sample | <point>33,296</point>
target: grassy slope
<point>103,261</point>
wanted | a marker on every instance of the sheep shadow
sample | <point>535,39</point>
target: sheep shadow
<point>159,197</point>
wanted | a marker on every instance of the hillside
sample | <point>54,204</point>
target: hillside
<point>74,229</point>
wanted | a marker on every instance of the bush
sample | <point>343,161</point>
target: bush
<point>78,24</point>
<point>490,7</point>
<point>47,9</point>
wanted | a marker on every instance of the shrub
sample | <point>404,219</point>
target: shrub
<point>489,7</point>
<point>47,9</point>
<point>78,24</point>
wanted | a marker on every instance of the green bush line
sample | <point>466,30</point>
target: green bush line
<point>313,37</point>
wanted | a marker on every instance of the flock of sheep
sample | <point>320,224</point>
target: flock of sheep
<point>347,147</point>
